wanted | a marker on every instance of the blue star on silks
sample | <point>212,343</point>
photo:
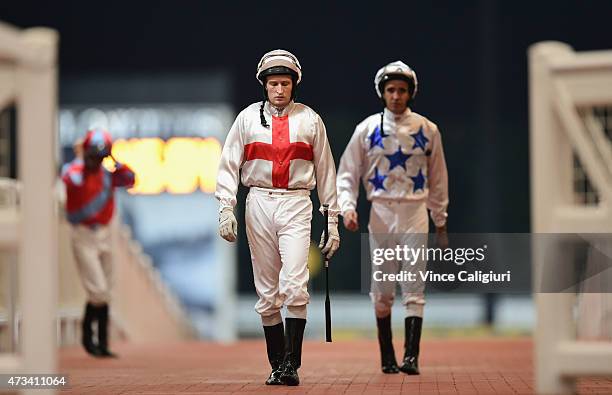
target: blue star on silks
<point>376,138</point>
<point>419,181</point>
<point>398,159</point>
<point>420,140</point>
<point>378,180</point>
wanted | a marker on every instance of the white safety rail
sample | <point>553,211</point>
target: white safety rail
<point>565,87</point>
<point>28,79</point>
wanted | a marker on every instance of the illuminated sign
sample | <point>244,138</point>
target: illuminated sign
<point>179,165</point>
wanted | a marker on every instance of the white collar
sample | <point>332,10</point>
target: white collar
<point>270,109</point>
<point>391,116</point>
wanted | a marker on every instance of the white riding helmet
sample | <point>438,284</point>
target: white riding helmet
<point>397,70</point>
<point>277,62</point>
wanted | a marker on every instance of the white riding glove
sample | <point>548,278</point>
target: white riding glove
<point>333,240</point>
<point>228,226</point>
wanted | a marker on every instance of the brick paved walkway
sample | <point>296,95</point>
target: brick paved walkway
<point>472,366</point>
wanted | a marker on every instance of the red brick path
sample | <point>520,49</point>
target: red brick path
<point>345,367</point>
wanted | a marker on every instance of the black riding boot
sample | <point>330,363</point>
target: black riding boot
<point>294,334</point>
<point>387,353</point>
<point>275,345</point>
<point>88,319</point>
<point>413,326</point>
<point>103,332</point>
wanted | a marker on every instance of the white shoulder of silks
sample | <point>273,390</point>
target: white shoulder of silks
<point>301,107</point>
<point>252,107</point>
<point>368,124</point>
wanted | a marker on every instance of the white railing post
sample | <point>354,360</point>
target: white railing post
<point>561,82</point>
<point>29,72</point>
<point>37,169</point>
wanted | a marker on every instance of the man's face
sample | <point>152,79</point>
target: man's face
<point>92,161</point>
<point>279,89</point>
<point>396,96</point>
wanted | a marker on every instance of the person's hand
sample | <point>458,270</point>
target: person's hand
<point>333,241</point>
<point>350,220</point>
<point>441,237</point>
<point>228,226</point>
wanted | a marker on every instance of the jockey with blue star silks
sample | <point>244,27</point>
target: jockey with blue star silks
<point>398,156</point>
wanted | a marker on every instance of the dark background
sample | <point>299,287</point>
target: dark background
<point>470,58</point>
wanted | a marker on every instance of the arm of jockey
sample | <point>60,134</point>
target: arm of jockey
<point>437,200</point>
<point>72,174</point>
<point>325,171</point>
<point>229,166</point>
<point>123,176</point>
<point>350,172</point>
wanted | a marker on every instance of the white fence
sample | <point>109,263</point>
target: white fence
<point>568,138</point>
<point>28,79</point>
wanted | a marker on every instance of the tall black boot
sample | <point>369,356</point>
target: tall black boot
<point>387,353</point>
<point>413,327</point>
<point>87,340</point>
<point>275,345</point>
<point>294,334</point>
<point>103,331</point>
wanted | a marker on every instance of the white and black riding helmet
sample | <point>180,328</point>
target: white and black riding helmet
<point>397,70</point>
<point>278,62</point>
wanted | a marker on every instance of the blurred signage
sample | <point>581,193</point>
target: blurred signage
<point>172,148</point>
<point>179,165</point>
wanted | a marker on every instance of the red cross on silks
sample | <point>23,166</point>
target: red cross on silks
<point>281,152</point>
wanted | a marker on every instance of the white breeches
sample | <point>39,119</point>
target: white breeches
<point>395,223</point>
<point>278,231</point>
<point>93,254</point>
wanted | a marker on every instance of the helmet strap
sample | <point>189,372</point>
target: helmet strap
<point>262,118</point>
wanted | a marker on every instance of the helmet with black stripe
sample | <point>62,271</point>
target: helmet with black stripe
<point>279,62</point>
<point>397,70</point>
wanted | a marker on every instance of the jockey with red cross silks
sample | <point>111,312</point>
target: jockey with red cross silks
<point>279,149</point>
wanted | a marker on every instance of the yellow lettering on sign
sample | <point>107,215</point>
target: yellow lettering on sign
<point>181,164</point>
<point>178,166</point>
<point>210,149</point>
